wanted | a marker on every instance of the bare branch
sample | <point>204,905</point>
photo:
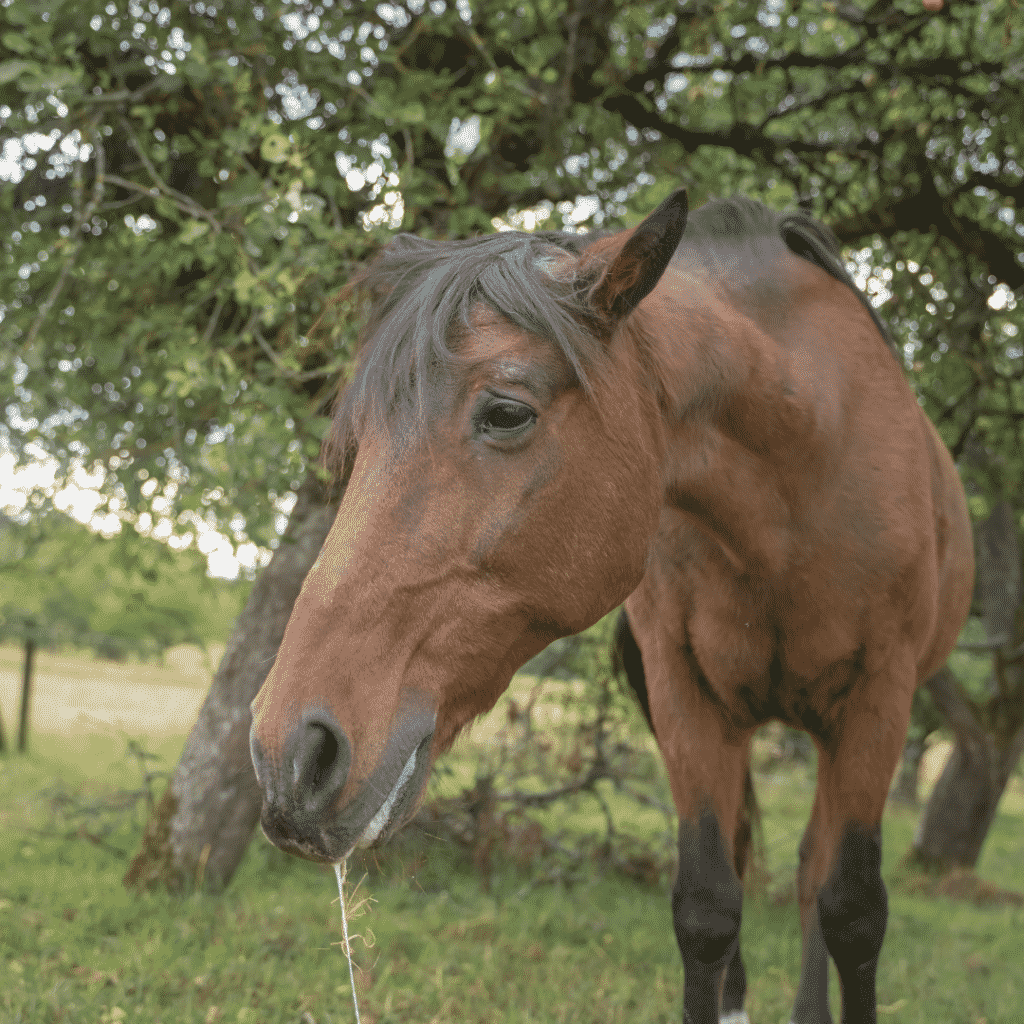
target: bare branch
<point>984,646</point>
<point>301,376</point>
<point>214,317</point>
<point>123,95</point>
<point>186,205</point>
<point>583,784</point>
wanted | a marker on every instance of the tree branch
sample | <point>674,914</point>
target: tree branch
<point>123,95</point>
<point>927,209</point>
<point>83,218</point>
<point>300,376</point>
<point>955,706</point>
<point>182,201</point>
<point>984,646</point>
<point>184,204</point>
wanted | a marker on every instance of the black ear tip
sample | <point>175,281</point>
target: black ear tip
<point>672,211</point>
<point>678,201</point>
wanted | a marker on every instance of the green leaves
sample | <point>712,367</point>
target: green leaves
<point>252,165</point>
<point>125,595</point>
<point>12,70</point>
<point>275,148</point>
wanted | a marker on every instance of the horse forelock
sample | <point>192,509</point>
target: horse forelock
<point>422,296</point>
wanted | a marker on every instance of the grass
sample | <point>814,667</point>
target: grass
<point>75,947</point>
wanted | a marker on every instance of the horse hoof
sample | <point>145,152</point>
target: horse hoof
<point>734,1017</point>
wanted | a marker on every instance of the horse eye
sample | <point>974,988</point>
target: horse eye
<point>505,419</point>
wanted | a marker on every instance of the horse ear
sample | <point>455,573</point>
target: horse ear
<point>639,265</point>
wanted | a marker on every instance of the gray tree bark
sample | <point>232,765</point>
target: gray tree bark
<point>989,738</point>
<point>198,832</point>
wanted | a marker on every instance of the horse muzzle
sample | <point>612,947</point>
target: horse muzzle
<point>302,787</point>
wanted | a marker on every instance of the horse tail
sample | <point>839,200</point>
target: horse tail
<point>626,661</point>
<point>749,845</point>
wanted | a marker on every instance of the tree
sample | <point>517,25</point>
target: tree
<point>215,170</point>
<point>200,829</point>
<point>988,728</point>
<point>63,585</point>
<point>66,586</point>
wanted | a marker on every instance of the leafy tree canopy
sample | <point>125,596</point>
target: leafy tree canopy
<point>61,585</point>
<point>192,181</point>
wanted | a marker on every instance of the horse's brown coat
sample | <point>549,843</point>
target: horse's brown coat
<point>746,468</point>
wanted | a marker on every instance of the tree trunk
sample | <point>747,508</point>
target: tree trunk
<point>26,694</point>
<point>904,789</point>
<point>989,737</point>
<point>959,814</point>
<point>198,832</point>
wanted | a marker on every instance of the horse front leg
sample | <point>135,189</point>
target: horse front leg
<point>707,902</point>
<point>707,760</point>
<point>733,986</point>
<point>708,776</point>
<point>811,1006</point>
<point>844,862</point>
<point>733,983</point>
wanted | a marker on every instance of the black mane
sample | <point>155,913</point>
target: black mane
<point>742,220</point>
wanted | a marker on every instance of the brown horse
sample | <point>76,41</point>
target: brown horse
<point>709,427</point>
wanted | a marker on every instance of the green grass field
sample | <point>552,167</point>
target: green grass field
<point>434,946</point>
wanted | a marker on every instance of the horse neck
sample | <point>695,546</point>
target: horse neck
<point>734,427</point>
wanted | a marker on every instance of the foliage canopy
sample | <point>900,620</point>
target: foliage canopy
<point>191,182</point>
<point>61,585</point>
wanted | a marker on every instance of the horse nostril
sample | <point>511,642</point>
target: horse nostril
<point>318,754</point>
<point>321,763</point>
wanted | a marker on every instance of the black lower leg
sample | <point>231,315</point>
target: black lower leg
<point>734,988</point>
<point>811,1006</point>
<point>706,906</point>
<point>853,909</point>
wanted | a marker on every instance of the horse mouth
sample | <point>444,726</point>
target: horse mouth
<point>366,819</point>
<point>380,821</point>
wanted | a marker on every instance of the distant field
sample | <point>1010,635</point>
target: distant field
<point>73,692</point>
<point>74,947</point>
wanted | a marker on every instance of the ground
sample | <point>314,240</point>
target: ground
<point>74,946</point>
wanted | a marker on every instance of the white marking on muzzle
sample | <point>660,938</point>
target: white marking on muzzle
<point>381,818</point>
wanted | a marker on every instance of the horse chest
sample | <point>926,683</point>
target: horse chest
<point>756,649</point>
<point>756,673</point>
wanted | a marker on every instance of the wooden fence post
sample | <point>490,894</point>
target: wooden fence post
<point>26,692</point>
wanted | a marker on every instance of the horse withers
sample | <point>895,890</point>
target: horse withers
<point>708,426</point>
